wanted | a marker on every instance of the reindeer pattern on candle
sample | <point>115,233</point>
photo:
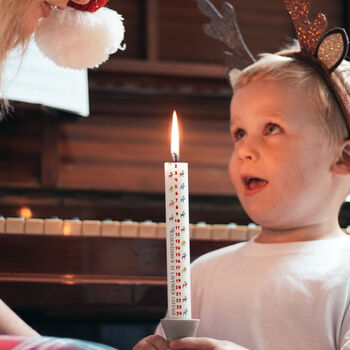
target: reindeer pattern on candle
<point>178,255</point>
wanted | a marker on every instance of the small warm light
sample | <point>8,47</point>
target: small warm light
<point>175,151</point>
<point>66,230</point>
<point>68,279</point>
<point>25,213</point>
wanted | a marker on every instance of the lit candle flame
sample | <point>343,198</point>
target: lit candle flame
<point>175,151</point>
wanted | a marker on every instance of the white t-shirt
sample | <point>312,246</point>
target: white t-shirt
<point>282,296</point>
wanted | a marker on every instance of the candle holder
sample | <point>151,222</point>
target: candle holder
<point>175,329</point>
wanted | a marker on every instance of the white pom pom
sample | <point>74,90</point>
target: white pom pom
<point>78,39</point>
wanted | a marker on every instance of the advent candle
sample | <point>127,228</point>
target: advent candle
<point>177,228</point>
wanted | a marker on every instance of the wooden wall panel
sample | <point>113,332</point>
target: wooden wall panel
<point>127,154</point>
<point>20,152</point>
<point>181,36</point>
<point>265,26</point>
<point>134,22</point>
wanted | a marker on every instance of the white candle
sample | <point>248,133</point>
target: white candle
<point>177,238</point>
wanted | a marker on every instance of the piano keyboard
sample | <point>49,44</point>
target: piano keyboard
<point>127,228</point>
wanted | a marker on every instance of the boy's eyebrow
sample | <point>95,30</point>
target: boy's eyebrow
<point>233,121</point>
<point>270,112</point>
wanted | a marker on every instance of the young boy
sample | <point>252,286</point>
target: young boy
<point>289,287</point>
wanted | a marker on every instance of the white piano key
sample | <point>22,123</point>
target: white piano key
<point>2,224</point>
<point>91,228</point>
<point>129,228</point>
<point>53,226</point>
<point>201,231</point>
<point>147,229</point>
<point>110,228</point>
<point>238,232</point>
<point>252,230</point>
<point>72,227</point>
<point>161,230</point>
<point>220,232</point>
<point>14,225</point>
<point>34,226</point>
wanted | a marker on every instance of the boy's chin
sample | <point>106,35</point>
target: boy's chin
<point>266,218</point>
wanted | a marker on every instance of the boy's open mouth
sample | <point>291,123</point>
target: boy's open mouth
<point>253,183</point>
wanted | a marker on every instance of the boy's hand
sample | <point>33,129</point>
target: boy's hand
<point>153,342</point>
<point>203,344</point>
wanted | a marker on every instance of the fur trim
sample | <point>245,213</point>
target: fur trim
<point>77,39</point>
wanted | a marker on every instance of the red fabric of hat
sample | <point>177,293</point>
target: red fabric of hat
<point>91,6</point>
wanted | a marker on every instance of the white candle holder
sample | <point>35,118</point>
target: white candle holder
<point>175,329</point>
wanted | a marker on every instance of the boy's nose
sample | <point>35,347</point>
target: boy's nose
<point>246,152</point>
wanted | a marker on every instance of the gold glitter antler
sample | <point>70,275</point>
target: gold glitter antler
<point>333,48</point>
<point>309,34</point>
<point>224,27</point>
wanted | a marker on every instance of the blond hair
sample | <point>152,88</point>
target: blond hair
<point>279,67</point>
<point>12,14</point>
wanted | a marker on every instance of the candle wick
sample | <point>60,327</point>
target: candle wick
<point>175,157</point>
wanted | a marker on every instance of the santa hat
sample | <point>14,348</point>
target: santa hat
<point>81,36</point>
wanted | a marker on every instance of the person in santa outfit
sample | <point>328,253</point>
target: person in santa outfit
<point>57,26</point>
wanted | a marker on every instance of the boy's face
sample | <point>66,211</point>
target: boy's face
<point>280,165</point>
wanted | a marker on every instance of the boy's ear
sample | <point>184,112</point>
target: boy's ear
<point>342,164</point>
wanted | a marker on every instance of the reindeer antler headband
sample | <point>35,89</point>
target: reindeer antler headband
<point>324,52</point>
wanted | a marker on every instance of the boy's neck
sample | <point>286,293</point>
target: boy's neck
<point>320,231</point>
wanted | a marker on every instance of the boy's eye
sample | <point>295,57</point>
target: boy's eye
<point>238,134</point>
<point>272,129</point>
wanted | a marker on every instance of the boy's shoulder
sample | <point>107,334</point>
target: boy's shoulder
<point>219,254</point>
<point>337,248</point>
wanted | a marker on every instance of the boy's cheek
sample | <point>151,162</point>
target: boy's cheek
<point>233,168</point>
<point>234,173</point>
